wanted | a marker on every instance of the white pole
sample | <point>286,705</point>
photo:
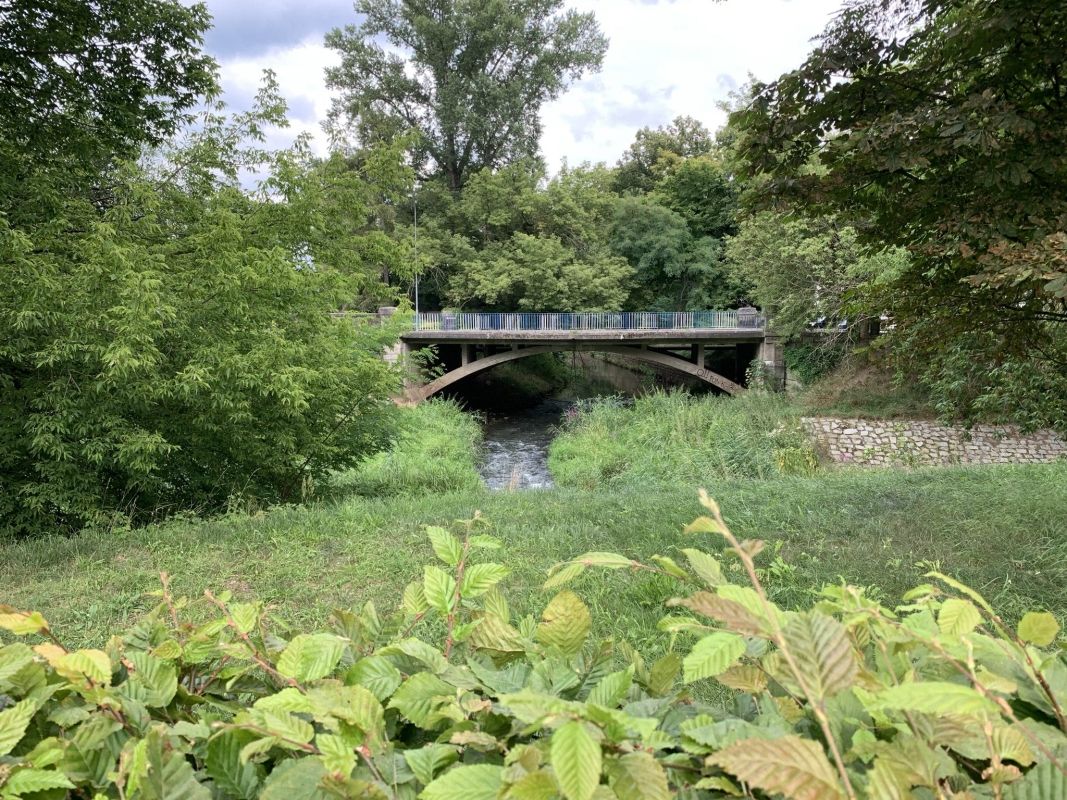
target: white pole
<point>415,204</point>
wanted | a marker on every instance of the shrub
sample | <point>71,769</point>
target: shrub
<point>846,699</point>
<point>171,346</point>
<point>436,451</point>
<point>677,438</point>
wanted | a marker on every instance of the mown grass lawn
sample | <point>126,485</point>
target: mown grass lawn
<point>1003,530</point>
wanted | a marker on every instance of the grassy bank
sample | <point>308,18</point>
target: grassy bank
<point>436,451</point>
<point>999,529</point>
<point>679,440</point>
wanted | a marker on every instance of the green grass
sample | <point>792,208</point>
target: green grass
<point>860,387</point>
<point>436,451</point>
<point>676,439</point>
<point>1001,529</point>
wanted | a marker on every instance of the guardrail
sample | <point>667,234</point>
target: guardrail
<point>749,319</point>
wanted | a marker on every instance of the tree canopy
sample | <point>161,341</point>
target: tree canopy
<point>85,80</point>
<point>470,77</point>
<point>939,126</point>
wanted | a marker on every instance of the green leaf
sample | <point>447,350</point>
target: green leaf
<point>12,659</point>
<point>576,760</point>
<point>935,697</point>
<point>414,602</point>
<point>562,574</point>
<point>485,542</point>
<point>427,761</point>
<point>638,776</point>
<point>420,697</point>
<point>160,773</point>
<point>565,623</point>
<point>13,724</point>
<point>234,776</point>
<point>1039,628</point>
<point>152,681</point>
<point>296,779</point>
<point>1043,782</point>
<point>336,753</point>
<point>612,688</point>
<point>958,617</point>
<point>476,782</point>
<point>439,588</point>
<point>377,674</point>
<point>445,546</point>
<point>712,655</point>
<point>823,653</point>
<point>24,781</point>
<point>663,674</point>
<point>480,578</point>
<point>354,704</point>
<point>707,568</point>
<point>790,766</point>
<point>93,665</point>
<point>309,657</point>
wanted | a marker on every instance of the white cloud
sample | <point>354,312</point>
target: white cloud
<point>665,59</point>
<point>301,79</point>
<point>673,58</point>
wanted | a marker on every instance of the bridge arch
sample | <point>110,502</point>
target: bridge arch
<point>419,393</point>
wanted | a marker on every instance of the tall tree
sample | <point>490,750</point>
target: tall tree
<point>469,75</point>
<point>940,126</point>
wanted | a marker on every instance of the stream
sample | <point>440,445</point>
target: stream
<point>516,445</point>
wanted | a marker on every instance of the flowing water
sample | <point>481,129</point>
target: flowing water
<point>516,445</point>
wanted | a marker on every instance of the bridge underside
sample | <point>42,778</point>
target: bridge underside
<point>717,358</point>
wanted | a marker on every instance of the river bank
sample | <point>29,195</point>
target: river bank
<point>883,529</point>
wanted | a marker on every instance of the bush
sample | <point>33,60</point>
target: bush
<point>171,346</point>
<point>436,451</point>
<point>677,438</point>
<point>845,699</point>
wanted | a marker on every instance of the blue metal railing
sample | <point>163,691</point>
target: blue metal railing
<point>744,318</point>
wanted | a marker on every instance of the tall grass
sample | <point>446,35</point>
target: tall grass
<point>680,440</point>
<point>437,450</point>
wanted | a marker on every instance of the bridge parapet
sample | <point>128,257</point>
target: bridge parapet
<point>740,319</point>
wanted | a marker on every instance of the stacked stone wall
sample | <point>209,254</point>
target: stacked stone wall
<point>924,443</point>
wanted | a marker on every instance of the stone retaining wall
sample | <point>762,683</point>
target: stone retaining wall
<point>922,443</point>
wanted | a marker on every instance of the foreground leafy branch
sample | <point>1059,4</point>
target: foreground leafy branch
<point>454,698</point>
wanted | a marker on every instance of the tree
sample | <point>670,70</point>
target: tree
<point>805,270</point>
<point>640,167</point>
<point>85,82</point>
<point>673,268</point>
<point>939,126</point>
<point>471,76</point>
<point>699,189</point>
<point>176,349</point>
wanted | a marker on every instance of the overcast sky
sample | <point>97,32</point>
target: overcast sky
<point>666,57</point>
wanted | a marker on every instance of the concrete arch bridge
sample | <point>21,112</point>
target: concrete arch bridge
<point>713,346</point>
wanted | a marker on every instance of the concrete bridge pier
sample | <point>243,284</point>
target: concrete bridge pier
<point>772,354</point>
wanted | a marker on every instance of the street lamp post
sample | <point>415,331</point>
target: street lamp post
<point>415,207</point>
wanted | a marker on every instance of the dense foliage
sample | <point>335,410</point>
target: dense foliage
<point>845,699</point>
<point>168,344</point>
<point>938,126</point>
<point>85,82</point>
